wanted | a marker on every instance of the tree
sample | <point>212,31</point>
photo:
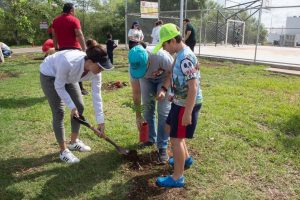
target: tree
<point>22,18</point>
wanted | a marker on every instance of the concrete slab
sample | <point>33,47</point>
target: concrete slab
<point>265,54</point>
<point>27,50</point>
<point>284,71</point>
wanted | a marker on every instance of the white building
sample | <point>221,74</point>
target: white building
<point>291,37</point>
<point>292,25</point>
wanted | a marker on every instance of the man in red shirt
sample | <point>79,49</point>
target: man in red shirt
<point>67,33</point>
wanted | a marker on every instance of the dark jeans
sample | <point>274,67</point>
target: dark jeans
<point>111,57</point>
<point>6,53</point>
<point>191,45</point>
<point>132,44</point>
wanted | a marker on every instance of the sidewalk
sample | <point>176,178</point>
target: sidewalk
<point>27,50</point>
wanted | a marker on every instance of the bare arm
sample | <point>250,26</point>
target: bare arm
<point>190,102</point>
<point>188,33</point>
<point>81,39</point>
<point>132,39</point>
<point>162,93</point>
<point>136,96</point>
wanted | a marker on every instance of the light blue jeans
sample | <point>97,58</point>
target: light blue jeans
<point>149,88</point>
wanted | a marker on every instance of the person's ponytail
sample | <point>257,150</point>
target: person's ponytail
<point>95,52</point>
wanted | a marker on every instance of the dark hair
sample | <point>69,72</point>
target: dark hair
<point>134,23</point>
<point>178,39</point>
<point>159,22</point>
<point>186,20</point>
<point>91,43</point>
<point>108,35</point>
<point>144,44</point>
<point>68,7</point>
<point>96,52</point>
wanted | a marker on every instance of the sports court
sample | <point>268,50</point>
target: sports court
<point>269,54</point>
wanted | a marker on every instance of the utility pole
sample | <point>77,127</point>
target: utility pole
<point>126,38</point>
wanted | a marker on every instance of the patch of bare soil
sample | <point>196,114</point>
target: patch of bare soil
<point>114,85</point>
<point>144,171</point>
<point>27,56</point>
<point>8,74</point>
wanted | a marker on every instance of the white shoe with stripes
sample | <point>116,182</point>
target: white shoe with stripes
<point>79,146</point>
<point>68,157</point>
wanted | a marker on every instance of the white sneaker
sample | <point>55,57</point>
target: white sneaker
<point>79,146</point>
<point>68,157</point>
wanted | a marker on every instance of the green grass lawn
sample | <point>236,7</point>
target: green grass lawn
<point>246,146</point>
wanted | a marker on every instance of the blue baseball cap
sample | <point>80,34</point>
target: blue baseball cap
<point>138,59</point>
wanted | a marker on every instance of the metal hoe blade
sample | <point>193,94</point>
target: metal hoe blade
<point>120,150</point>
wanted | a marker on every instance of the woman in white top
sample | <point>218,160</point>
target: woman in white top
<point>135,35</point>
<point>59,75</point>
<point>155,32</point>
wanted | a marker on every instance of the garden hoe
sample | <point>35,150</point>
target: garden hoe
<point>120,150</point>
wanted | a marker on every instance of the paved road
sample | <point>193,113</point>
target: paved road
<point>38,49</point>
<point>27,50</point>
<point>283,55</point>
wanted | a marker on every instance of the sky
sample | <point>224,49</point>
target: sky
<point>275,18</point>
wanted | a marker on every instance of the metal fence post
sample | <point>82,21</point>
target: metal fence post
<point>126,26</point>
<point>258,29</point>
<point>200,35</point>
<point>181,16</point>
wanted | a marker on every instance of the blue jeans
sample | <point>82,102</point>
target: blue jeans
<point>6,53</point>
<point>149,88</point>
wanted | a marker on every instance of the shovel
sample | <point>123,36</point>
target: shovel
<point>119,149</point>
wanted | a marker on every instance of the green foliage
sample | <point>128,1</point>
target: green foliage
<point>22,18</point>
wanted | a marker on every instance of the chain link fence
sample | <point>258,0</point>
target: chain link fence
<point>265,33</point>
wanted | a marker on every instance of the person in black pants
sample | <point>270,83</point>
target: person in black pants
<point>190,36</point>
<point>110,46</point>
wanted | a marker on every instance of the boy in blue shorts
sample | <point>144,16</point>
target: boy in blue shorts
<point>186,102</point>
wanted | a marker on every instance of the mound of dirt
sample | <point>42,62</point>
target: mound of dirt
<point>114,85</point>
<point>144,171</point>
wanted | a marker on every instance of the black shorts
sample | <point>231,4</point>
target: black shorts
<point>175,118</point>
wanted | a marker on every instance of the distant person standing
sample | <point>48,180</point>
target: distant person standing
<point>236,39</point>
<point>110,46</point>
<point>67,33</point>
<point>155,31</point>
<point>135,35</point>
<point>190,36</point>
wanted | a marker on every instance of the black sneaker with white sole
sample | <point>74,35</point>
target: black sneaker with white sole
<point>163,156</point>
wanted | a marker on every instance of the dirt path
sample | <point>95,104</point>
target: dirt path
<point>27,50</point>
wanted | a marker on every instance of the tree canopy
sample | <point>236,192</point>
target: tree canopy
<point>20,19</point>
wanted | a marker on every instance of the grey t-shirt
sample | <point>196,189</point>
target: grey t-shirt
<point>158,64</point>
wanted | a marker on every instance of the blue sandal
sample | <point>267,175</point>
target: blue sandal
<point>168,181</point>
<point>187,163</point>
